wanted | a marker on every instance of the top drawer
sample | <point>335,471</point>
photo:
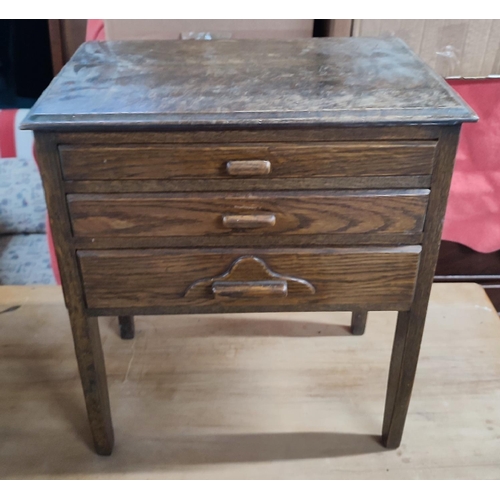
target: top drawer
<point>277,160</point>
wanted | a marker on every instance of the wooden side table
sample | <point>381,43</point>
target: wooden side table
<point>231,176</point>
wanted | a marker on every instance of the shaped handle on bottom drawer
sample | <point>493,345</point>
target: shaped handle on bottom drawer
<point>249,289</point>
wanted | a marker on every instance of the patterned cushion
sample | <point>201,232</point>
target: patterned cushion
<point>25,260</point>
<point>22,202</point>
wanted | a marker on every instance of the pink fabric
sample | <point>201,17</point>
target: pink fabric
<point>7,133</point>
<point>473,211</point>
<point>50,241</point>
<point>95,30</point>
<point>15,143</point>
<point>53,257</point>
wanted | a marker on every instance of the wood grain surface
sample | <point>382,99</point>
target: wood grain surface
<point>160,278</point>
<point>354,159</point>
<point>251,396</point>
<point>295,213</point>
<point>244,289</point>
<point>249,276</point>
<point>319,81</point>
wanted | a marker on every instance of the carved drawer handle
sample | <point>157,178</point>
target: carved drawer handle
<point>249,289</point>
<point>264,282</point>
<point>248,167</point>
<point>248,221</point>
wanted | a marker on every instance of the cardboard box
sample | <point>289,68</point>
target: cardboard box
<point>174,29</point>
<point>454,48</point>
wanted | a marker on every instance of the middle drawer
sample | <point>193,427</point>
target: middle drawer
<point>291,213</point>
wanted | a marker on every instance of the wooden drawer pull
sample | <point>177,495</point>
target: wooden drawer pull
<point>248,167</point>
<point>249,289</point>
<point>263,282</point>
<point>248,221</point>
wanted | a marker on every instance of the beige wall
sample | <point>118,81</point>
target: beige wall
<point>121,29</point>
<point>454,48</point>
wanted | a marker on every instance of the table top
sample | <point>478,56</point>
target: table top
<point>258,83</point>
<point>251,396</point>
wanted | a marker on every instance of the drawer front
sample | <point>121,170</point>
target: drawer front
<point>297,213</point>
<point>249,279</point>
<point>277,160</point>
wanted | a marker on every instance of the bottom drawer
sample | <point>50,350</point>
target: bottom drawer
<point>215,280</point>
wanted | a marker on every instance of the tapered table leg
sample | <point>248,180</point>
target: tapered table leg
<point>410,325</point>
<point>127,327</point>
<point>402,371</point>
<point>90,359</point>
<point>85,329</point>
<point>358,322</point>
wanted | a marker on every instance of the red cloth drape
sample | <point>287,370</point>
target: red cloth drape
<point>95,30</point>
<point>473,211</point>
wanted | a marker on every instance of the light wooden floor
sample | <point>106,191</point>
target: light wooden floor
<point>250,396</point>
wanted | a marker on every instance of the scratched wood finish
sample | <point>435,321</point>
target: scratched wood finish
<point>318,81</point>
<point>295,213</point>
<point>126,120</point>
<point>160,278</point>
<point>211,162</point>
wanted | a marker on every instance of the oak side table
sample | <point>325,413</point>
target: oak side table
<point>246,175</point>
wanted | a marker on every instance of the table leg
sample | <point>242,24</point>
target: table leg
<point>85,329</point>
<point>90,359</point>
<point>358,322</point>
<point>127,327</point>
<point>410,325</point>
<point>405,351</point>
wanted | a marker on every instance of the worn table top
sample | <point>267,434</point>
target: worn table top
<point>250,396</point>
<point>227,83</point>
